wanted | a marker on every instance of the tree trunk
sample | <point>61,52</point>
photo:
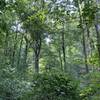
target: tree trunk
<point>26,51</point>
<point>37,49</point>
<point>97,32</point>
<point>91,43</point>
<point>60,58</point>
<point>98,42</point>
<point>19,52</point>
<point>83,38</point>
<point>13,53</point>
<point>85,53</point>
<point>36,64</point>
<point>6,44</point>
<point>63,50</point>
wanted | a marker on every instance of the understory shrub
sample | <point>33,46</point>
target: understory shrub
<point>53,86</point>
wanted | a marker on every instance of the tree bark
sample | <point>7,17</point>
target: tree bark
<point>98,42</point>
<point>26,51</point>
<point>13,53</point>
<point>97,32</point>
<point>63,50</point>
<point>6,44</point>
<point>85,53</point>
<point>37,49</point>
<point>83,38</point>
<point>60,59</point>
<point>19,53</point>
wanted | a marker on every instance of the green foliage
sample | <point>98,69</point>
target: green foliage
<point>46,31</point>
<point>11,85</point>
<point>35,22</point>
<point>53,86</point>
<point>94,60</point>
<point>2,4</point>
<point>87,92</point>
<point>92,88</point>
<point>89,12</point>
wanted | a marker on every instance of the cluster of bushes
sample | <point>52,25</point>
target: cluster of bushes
<point>53,86</point>
<point>91,90</point>
<point>48,86</point>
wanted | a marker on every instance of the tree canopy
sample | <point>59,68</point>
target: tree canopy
<point>49,49</point>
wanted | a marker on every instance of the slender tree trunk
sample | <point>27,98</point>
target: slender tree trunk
<point>60,59</point>
<point>85,53</point>
<point>37,49</point>
<point>6,44</point>
<point>91,43</point>
<point>37,44</point>
<point>5,49</point>
<point>97,32</point>
<point>26,51</point>
<point>13,53</point>
<point>83,38</point>
<point>36,63</point>
<point>98,42</point>
<point>63,50</point>
<point>88,31</point>
<point>19,52</point>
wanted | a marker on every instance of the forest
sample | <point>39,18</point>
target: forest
<point>49,49</point>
